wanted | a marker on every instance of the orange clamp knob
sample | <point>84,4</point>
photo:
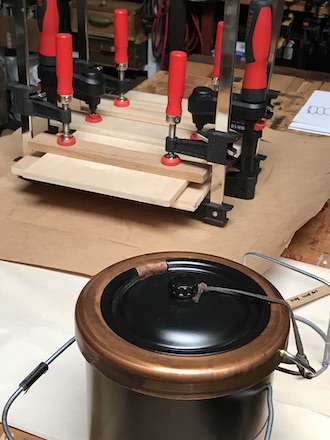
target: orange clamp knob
<point>121,35</point>
<point>64,64</point>
<point>217,50</point>
<point>176,82</point>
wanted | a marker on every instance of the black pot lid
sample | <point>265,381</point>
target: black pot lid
<point>157,313</point>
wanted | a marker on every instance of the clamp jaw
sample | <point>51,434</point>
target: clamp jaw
<point>247,119</point>
<point>214,148</point>
<point>28,100</point>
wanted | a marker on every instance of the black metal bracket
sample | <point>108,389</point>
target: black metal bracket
<point>27,101</point>
<point>214,149</point>
<point>202,105</point>
<point>89,83</point>
<point>213,213</point>
<point>241,182</point>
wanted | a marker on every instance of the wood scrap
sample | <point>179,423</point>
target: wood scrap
<point>119,153</point>
<point>144,107</point>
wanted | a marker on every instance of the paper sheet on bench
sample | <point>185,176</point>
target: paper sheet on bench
<point>37,316</point>
<point>314,116</point>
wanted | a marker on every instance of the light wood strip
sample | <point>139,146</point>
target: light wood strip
<point>120,153</point>
<point>124,129</point>
<point>145,107</point>
<point>295,85</point>
<point>281,82</point>
<point>325,86</point>
<point>102,179</point>
<point>192,197</point>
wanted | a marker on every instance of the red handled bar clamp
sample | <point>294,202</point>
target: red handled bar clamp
<point>257,47</point>
<point>175,91</point>
<point>121,50</point>
<point>217,55</point>
<point>64,73</point>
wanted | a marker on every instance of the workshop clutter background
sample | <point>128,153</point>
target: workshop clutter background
<point>304,41</point>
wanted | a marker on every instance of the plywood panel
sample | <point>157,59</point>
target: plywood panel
<point>102,179</point>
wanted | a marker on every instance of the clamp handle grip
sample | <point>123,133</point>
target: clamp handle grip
<point>64,64</point>
<point>121,35</point>
<point>257,47</point>
<point>218,50</point>
<point>48,19</point>
<point>176,82</point>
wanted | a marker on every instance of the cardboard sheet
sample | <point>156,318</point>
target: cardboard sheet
<point>37,317</point>
<point>80,232</point>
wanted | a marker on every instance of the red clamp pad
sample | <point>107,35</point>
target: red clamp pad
<point>194,136</point>
<point>66,142</point>
<point>170,160</point>
<point>121,35</point>
<point>64,64</point>
<point>257,46</point>
<point>260,125</point>
<point>218,50</point>
<point>176,82</point>
<point>93,118</point>
<point>48,19</point>
<point>121,102</point>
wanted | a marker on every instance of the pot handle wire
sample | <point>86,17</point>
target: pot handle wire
<point>290,358</point>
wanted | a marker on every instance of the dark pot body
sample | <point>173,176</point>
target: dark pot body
<point>163,366</point>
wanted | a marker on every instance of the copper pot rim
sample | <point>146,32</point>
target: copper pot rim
<point>171,375</point>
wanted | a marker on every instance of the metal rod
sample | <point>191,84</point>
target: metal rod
<point>278,8</point>
<point>223,109</point>
<point>230,30</point>
<point>82,18</point>
<point>22,50</point>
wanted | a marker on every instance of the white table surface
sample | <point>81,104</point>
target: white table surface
<point>37,317</point>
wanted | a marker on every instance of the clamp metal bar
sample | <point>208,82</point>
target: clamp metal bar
<point>22,50</point>
<point>223,109</point>
<point>82,19</point>
<point>278,8</point>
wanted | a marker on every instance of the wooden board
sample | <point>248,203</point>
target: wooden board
<point>120,153</point>
<point>124,129</point>
<point>192,197</point>
<point>74,174</point>
<point>145,107</point>
<point>101,179</point>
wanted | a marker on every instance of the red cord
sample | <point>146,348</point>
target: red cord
<point>160,29</point>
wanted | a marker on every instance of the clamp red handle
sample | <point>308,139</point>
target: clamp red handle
<point>176,82</point>
<point>48,19</point>
<point>217,50</point>
<point>64,64</point>
<point>257,46</point>
<point>121,35</point>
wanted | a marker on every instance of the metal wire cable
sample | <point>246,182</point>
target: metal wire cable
<point>326,337</point>
<point>302,363</point>
<point>6,410</point>
<point>288,266</point>
<point>28,382</point>
<point>270,412</point>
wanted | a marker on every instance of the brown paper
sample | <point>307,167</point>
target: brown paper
<point>80,232</point>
